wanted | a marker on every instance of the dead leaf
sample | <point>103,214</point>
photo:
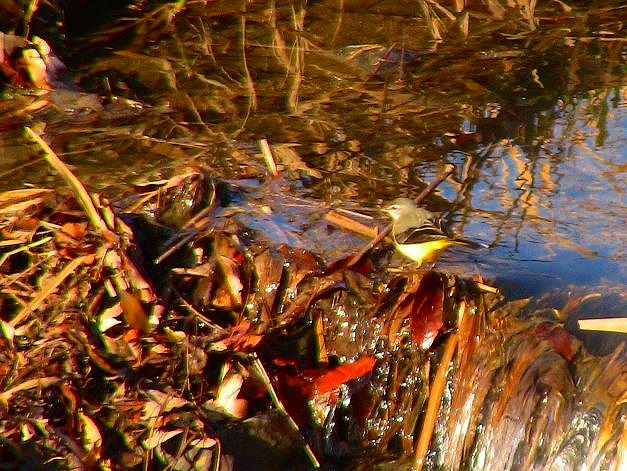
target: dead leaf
<point>425,309</point>
<point>241,338</point>
<point>159,403</point>
<point>133,311</point>
<point>91,437</point>
<point>76,230</point>
<point>231,275</point>
<point>33,65</point>
<point>286,154</point>
<point>427,316</point>
<point>226,396</point>
<point>559,339</point>
<point>335,377</point>
<point>5,396</point>
<point>158,437</point>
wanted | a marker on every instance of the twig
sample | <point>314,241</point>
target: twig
<point>22,248</point>
<point>252,94</point>
<point>433,404</point>
<point>266,151</point>
<point>219,330</point>
<point>439,179</point>
<point>337,219</point>
<point>82,196</point>
<point>49,288</point>
<point>261,371</point>
<point>177,245</point>
<point>616,324</point>
<point>182,237</point>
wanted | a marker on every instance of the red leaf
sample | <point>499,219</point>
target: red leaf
<point>559,339</point>
<point>426,310</point>
<point>334,377</point>
<point>363,267</point>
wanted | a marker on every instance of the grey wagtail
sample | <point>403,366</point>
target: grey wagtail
<point>417,233</point>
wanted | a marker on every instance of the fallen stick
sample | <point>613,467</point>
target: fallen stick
<point>82,196</point>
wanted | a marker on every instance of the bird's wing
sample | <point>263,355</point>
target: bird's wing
<point>417,235</point>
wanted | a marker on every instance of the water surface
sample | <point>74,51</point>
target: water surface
<point>372,99</point>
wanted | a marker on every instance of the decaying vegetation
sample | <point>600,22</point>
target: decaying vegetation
<point>152,334</point>
<point>165,328</point>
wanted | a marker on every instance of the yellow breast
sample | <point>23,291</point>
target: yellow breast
<point>425,251</point>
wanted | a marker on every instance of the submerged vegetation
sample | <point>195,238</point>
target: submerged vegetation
<point>180,287</point>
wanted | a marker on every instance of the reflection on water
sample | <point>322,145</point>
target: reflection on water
<point>555,205</point>
<point>531,109</point>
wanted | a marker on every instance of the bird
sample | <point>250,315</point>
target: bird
<point>418,234</point>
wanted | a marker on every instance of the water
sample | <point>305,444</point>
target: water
<point>559,200</point>
<point>533,118</point>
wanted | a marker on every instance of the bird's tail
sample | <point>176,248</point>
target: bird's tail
<point>469,243</point>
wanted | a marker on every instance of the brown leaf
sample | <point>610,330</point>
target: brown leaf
<point>286,154</point>
<point>228,260</point>
<point>241,338</point>
<point>363,266</point>
<point>5,396</point>
<point>133,311</point>
<point>32,65</point>
<point>159,404</point>
<point>76,230</point>
<point>269,269</point>
<point>280,272</point>
<point>70,396</point>
<point>158,437</point>
<point>301,303</point>
<point>227,395</point>
<point>91,437</point>
<point>301,263</point>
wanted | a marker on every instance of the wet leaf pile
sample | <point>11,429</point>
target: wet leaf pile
<point>156,331</point>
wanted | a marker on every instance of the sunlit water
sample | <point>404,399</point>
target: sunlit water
<point>554,210</point>
<point>535,124</point>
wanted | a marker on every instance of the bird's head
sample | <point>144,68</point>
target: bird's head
<point>400,207</point>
